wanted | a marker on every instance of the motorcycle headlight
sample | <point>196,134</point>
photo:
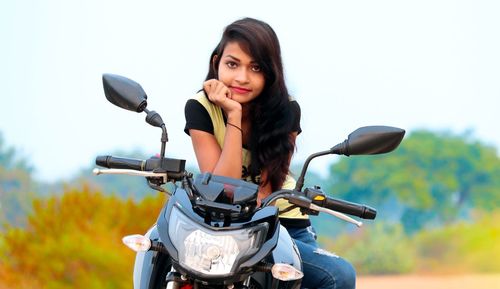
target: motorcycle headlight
<point>212,252</point>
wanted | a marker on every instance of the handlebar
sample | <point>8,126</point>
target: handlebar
<point>314,199</point>
<point>176,167</point>
<point>165,165</point>
<point>354,209</point>
<point>111,162</point>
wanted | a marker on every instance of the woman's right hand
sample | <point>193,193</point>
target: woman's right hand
<point>220,94</point>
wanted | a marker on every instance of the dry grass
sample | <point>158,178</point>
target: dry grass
<point>491,281</point>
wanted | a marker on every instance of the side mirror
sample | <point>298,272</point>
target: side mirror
<point>124,92</point>
<point>370,140</point>
<point>129,95</point>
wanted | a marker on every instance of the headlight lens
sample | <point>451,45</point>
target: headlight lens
<point>212,252</point>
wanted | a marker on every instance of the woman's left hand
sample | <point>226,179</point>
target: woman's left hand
<point>221,95</point>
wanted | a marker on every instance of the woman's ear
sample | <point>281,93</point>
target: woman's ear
<point>214,65</point>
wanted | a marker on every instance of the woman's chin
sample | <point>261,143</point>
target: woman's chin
<point>242,99</point>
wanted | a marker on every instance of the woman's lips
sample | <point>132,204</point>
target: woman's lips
<point>240,90</point>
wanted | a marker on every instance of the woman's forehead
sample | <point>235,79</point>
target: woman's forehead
<point>238,50</point>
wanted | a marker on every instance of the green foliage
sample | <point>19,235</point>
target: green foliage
<point>434,177</point>
<point>378,249</point>
<point>10,158</point>
<point>461,247</point>
<point>73,241</point>
<point>16,194</point>
<point>16,186</point>
<point>384,248</point>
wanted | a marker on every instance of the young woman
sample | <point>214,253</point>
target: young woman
<point>243,124</point>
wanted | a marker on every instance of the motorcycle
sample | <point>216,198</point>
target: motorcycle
<point>211,233</point>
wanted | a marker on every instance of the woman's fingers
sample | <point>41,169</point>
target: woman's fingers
<point>221,95</point>
<point>216,90</point>
<point>222,90</point>
<point>207,86</point>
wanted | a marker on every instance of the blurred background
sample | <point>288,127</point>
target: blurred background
<point>430,67</point>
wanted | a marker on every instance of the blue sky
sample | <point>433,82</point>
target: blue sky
<point>411,64</point>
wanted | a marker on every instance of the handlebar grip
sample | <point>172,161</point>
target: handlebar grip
<point>111,162</point>
<point>354,209</point>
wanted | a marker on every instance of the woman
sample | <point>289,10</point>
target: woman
<point>243,124</point>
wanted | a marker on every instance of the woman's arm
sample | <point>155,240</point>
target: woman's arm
<point>211,158</point>
<point>225,161</point>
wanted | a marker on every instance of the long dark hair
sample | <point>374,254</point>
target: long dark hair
<point>270,114</point>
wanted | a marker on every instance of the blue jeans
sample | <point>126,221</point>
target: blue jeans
<point>322,269</point>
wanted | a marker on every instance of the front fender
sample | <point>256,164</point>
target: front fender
<point>286,252</point>
<point>151,267</point>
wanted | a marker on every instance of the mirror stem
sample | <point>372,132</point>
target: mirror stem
<point>341,148</point>
<point>300,181</point>
<point>164,140</point>
<point>154,119</point>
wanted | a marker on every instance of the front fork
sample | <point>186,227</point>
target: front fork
<point>176,281</point>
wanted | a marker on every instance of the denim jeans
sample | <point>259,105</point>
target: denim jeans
<point>322,269</point>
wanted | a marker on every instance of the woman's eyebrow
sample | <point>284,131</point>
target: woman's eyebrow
<point>232,57</point>
<point>238,60</point>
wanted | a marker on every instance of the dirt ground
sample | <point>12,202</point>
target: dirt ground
<point>429,282</point>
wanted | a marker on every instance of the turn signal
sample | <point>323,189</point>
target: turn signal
<point>138,243</point>
<point>285,272</point>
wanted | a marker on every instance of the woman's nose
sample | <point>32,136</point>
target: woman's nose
<point>242,75</point>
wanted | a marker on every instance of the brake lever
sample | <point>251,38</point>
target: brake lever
<point>98,171</point>
<point>336,214</point>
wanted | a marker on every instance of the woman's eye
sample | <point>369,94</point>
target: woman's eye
<point>231,64</point>
<point>256,68</point>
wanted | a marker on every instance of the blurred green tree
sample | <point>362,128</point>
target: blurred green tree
<point>465,246</point>
<point>431,178</point>
<point>380,248</point>
<point>16,185</point>
<point>10,158</point>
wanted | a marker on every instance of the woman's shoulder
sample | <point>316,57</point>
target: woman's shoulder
<point>196,103</point>
<point>293,103</point>
<point>200,96</point>
<point>199,102</point>
<point>209,106</point>
<point>199,114</point>
<point>295,107</point>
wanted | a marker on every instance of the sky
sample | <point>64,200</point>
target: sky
<point>410,64</point>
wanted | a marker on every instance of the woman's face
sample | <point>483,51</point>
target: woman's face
<point>240,73</point>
